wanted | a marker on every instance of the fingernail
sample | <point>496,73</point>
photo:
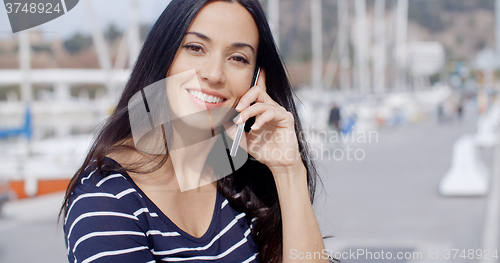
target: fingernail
<point>237,118</point>
<point>238,107</point>
<point>254,127</point>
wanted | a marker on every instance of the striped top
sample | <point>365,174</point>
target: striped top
<point>109,219</point>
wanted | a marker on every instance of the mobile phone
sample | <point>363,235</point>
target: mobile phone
<point>240,129</point>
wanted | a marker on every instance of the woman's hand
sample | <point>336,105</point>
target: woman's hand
<point>272,140</point>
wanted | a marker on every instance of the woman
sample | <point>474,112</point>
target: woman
<point>124,205</point>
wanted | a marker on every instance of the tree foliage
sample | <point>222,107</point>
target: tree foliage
<point>77,43</point>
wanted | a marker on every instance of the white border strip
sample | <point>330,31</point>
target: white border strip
<point>491,229</point>
<point>337,244</point>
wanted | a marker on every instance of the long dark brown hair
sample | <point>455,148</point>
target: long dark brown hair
<point>251,189</point>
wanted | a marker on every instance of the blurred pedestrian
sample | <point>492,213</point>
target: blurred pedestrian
<point>440,112</point>
<point>334,119</point>
<point>460,109</point>
<point>333,127</point>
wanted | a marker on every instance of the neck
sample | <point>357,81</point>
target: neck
<point>189,154</point>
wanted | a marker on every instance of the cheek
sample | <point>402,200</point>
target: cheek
<point>240,84</point>
<point>175,68</point>
<point>239,90</point>
<point>180,64</point>
<point>242,88</point>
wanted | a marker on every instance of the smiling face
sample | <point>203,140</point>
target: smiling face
<point>220,45</point>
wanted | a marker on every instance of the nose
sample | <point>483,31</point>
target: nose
<point>212,72</point>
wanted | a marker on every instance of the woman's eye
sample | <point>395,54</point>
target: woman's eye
<point>240,59</point>
<point>193,48</point>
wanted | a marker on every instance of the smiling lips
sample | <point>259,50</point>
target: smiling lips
<point>205,97</point>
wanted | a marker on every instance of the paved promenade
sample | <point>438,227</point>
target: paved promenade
<point>29,231</point>
<point>389,201</point>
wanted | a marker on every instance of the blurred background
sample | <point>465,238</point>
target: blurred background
<point>397,99</point>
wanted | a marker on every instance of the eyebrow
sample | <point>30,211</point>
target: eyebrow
<point>204,37</point>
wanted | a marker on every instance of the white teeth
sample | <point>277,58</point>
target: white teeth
<point>205,97</point>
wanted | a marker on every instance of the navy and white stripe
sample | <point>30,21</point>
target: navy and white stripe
<point>110,219</point>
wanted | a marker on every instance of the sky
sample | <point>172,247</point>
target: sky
<point>77,20</point>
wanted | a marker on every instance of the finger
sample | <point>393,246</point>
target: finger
<point>273,115</point>
<point>254,94</point>
<point>254,110</point>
